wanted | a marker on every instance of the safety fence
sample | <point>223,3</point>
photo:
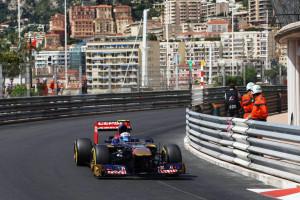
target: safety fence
<point>204,100</point>
<point>265,147</point>
<point>37,108</point>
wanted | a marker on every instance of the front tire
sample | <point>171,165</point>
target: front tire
<point>82,151</point>
<point>101,155</point>
<point>171,153</point>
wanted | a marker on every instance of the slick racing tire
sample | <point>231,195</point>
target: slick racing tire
<point>171,154</point>
<point>82,151</point>
<point>101,154</point>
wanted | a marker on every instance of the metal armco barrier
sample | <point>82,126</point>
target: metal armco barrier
<point>265,147</point>
<point>202,99</point>
<point>37,108</point>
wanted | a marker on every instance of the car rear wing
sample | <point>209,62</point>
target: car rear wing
<point>108,126</point>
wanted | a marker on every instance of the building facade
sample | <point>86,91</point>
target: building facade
<point>115,62</point>
<point>57,23</point>
<point>82,21</point>
<point>182,52</point>
<point>217,25</point>
<point>46,62</point>
<point>208,9</point>
<point>123,17</point>
<point>182,11</point>
<point>257,47</point>
<point>52,41</point>
<point>259,11</point>
<point>104,23</point>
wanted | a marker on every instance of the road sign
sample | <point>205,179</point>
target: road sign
<point>202,63</point>
<point>190,63</point>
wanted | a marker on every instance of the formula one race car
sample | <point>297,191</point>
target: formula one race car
<point>122,154</point>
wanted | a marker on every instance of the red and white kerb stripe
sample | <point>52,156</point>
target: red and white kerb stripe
<point>285,194</point>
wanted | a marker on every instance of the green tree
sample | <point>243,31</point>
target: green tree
<point>10,61</point>
<point>273,74</point>
<point>4,12</point>
<point>152,37</point>
<point>251,74</point>
<point>235,80</point>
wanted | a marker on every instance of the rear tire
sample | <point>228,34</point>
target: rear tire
<point>82,151</point>
<point>171,153</point>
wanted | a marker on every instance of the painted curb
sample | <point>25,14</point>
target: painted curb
<point>265,178</point>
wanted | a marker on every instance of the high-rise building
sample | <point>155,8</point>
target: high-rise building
<point>115,62</point>
<point>208,9</point>
<point>254,46</point>
<point>259,11</point>
<point>182,11</point>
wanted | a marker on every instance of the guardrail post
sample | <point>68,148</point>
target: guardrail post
<point>279,103</point>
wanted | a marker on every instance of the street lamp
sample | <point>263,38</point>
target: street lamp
<point>232,33</point>
<point>222,63</point>
<point>66,47</point>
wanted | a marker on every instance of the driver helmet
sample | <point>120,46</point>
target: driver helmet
<point>125,137</point>
<point>122,128</point>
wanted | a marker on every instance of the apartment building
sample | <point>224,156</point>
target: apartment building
<point>90,21</point>
<point>249,46</point>
<point>179,53</point>
<point>217,25</point>
<point>57,23</point>
<point>201,50</point>
<point>193,27</point>
<point>47,61</point>
<point>82,21</point>
<point>222,8</point>
<point>242,19</point>
<point>208,9</point>
<point>259,10</point>
<point>182,11</point>
<point>123,17</point>
<point>104,23</point>
<point>115,62</point>
<point>154,26</point>
<point>52,41</point>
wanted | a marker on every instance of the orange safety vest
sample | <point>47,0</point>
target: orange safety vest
<point>260,109</point>
<point>247,104</point>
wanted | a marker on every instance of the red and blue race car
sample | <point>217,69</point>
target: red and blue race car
<point>117,156</point>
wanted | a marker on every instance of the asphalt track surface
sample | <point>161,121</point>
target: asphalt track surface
<point>37,163</point>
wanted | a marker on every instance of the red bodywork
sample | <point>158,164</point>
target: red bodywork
<point>108,126</point>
